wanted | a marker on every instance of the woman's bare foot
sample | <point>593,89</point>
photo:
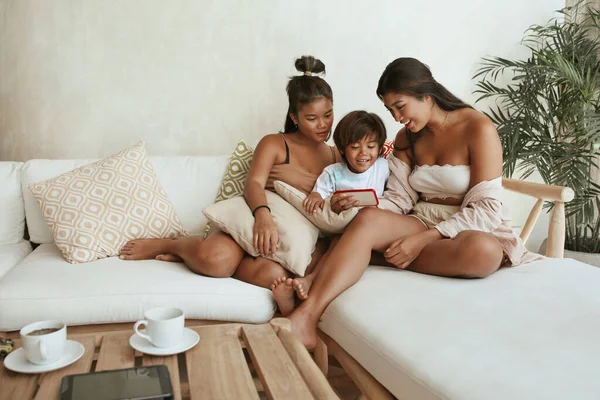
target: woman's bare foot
<point>169,257</point>
<point>302,286</point>
<point>303,330</point>
<point>144,249</point>
<point>283,293</point>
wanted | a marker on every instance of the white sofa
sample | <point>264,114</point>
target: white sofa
<point>529,332</point>
<point>42,285</point>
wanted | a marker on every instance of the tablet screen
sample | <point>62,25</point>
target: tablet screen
<point>133,383</point>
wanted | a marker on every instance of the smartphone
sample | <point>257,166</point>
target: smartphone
<point>139,383</point>
<point>366,197</point>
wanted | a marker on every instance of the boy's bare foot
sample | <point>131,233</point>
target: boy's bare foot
<point>304,332</point>
<point>283,293</point>
<point>169,257</point>
<point>302,286</point>
<point>143,249</point>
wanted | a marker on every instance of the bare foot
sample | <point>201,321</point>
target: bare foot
<point>303,330</point>
<point>302,286</point>
<point>143,249</point>
<point>283,293</point>
<point>169,257</point>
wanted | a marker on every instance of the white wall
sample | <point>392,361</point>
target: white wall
<point>87,78</point>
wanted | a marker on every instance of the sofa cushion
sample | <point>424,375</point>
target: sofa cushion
<point>45,286</point>
<point>234,181</point>
<point>297,236</point>
<point>529,332</point>
<point>325,219</point>
<point>200,176</point>
<point>94,210</point>
<point>12,212</point>
<point>12,254</point>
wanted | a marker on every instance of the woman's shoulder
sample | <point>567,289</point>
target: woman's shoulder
<point>478,126</point>
<point>401,142</point>
<point>272,140</point>
<point>402,148</point>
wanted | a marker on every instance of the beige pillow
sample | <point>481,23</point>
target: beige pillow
<point>326,220</point>
<point>94,210</point>
<point>234,181</point>
<point>297,236</point>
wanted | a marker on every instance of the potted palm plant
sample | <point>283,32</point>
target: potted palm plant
<point>547,112</point>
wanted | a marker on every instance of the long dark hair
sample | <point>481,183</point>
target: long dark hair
<point>410,76</point>
<point>305,88</point>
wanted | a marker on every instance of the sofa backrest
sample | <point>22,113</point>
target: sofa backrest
<point>12,212</point>
<point>190,182</point>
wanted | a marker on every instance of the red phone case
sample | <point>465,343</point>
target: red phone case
<point>362,191</point>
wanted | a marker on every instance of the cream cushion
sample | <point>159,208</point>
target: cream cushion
<point>94,210</point>
<point>297,236</point>
<point>200,176</point>
<point>234,181</point>
<point>326,220</point>
<point>45,286</point>
<point>528,332</point>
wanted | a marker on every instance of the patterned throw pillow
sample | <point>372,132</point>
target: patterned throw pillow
<point>94,210</point>
<point>234,180</point>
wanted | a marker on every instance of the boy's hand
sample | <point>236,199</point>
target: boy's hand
<point>313,202</point>
<point>343,201</point>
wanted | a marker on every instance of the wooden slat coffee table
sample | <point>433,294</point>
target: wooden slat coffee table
<point>231,361</point>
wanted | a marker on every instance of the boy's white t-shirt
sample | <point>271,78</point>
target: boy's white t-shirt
<point>339,177</point>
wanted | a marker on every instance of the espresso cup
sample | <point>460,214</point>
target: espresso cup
<point>44,342</point>
<point>164,326</point>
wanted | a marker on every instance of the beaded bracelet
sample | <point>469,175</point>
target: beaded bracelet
<point>259,207</point>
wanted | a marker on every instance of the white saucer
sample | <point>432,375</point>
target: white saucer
<point>189,339</point>
<point>17,362</point>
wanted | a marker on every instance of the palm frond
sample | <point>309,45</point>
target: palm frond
<point>547,112</point>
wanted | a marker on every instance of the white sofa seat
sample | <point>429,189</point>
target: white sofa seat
<point>529,332</point>
<point>12,254</point>
<point>45,286</point>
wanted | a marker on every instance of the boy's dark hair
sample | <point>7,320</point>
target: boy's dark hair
<point>306,88</point>
<point>357,125</point>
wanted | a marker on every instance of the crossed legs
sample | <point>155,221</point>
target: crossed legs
<point>220,256</point>
<point>470,255</point>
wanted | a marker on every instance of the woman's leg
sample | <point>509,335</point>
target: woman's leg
<point>262,272</point>
<point>269,274</point>
<point>471,254</point>
<point>371,229</point>
<point>217,256</point>
<point>302,284</point>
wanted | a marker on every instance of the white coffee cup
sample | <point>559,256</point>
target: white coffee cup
<point>164,326</point>
<point>44,348</point>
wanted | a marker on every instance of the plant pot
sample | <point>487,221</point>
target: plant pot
<point>588,258</point>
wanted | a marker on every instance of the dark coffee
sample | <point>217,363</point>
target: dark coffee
<point>45,331</point>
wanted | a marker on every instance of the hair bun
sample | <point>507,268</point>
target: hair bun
<point>309,65</point>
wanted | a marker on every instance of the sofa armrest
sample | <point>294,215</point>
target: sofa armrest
<point>559,195</point>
